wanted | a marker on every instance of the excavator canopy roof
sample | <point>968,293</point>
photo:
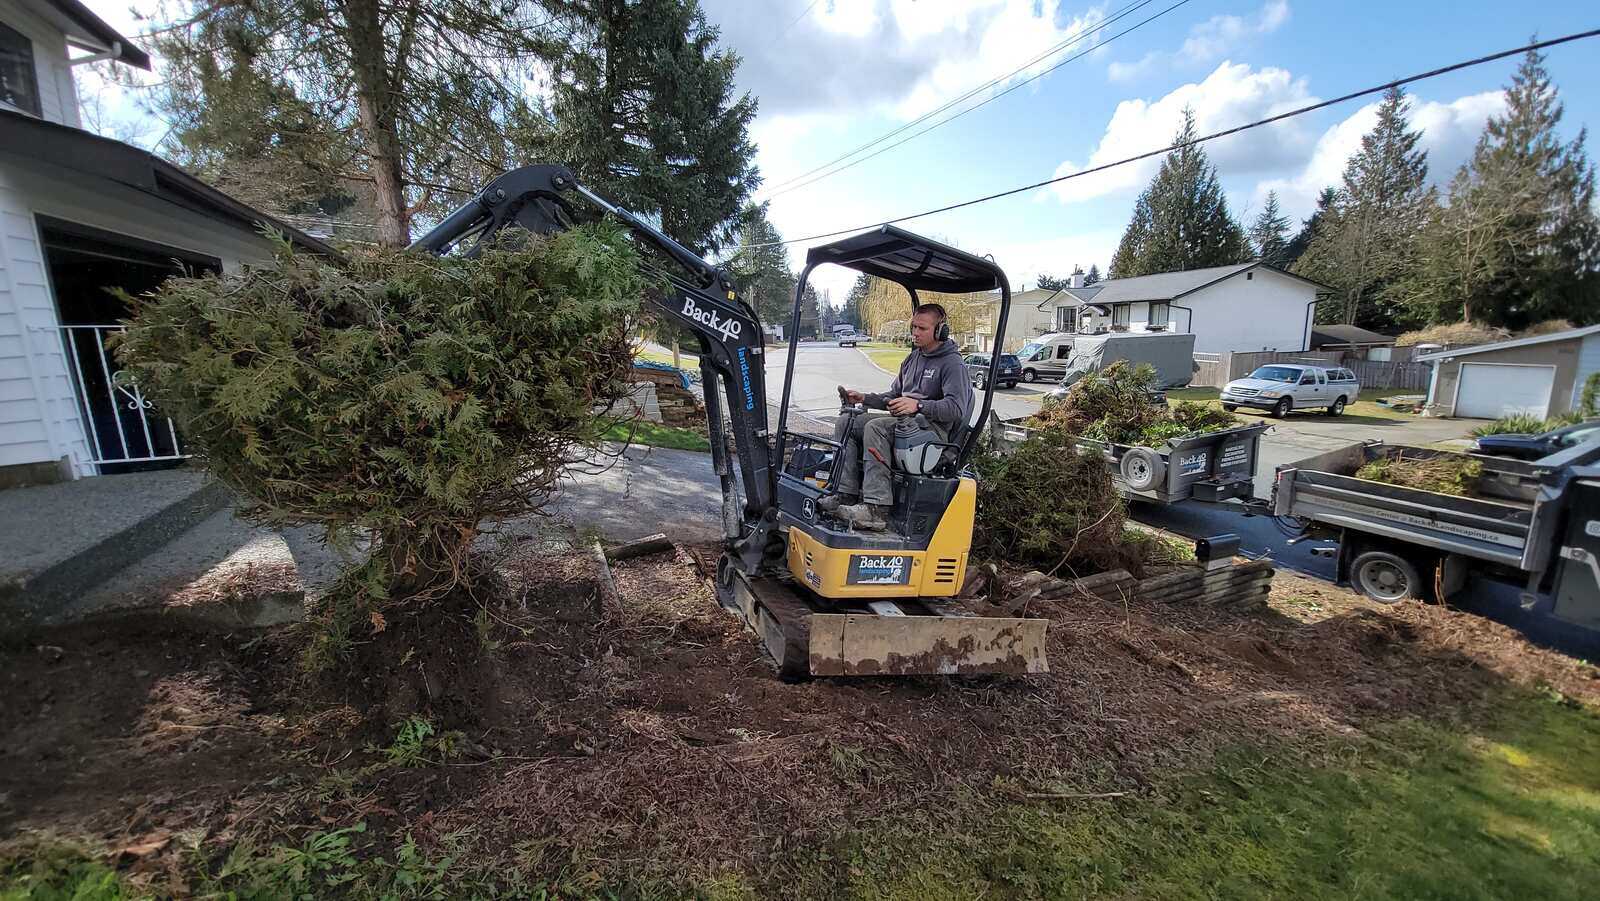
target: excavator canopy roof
<point>910,260</point>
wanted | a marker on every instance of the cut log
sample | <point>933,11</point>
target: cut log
<point>650,544</point>
<point>603,579</point>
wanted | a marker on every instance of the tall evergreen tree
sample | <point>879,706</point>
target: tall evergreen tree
<point>1269,234</point>
<point>1093,274</point>
<point>851,311</point>
<point>411,99</point>
<point>644,108</point>
<point>1519,241</point>
<point>1310,226</point>
<point>810,313</point>
<point>1370,241</point>
<point>1181,221</point>
<point>761,265</point>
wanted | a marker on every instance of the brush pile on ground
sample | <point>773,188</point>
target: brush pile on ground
<point>1046,505</point>
<point>1444,473</point>
<point>1113,405</point>
<point>396,399</point>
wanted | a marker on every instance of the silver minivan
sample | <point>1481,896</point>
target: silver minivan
<point>1284,387</point>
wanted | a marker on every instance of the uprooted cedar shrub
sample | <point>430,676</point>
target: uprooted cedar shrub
<point>1046,505</point>
<point>394,396</point>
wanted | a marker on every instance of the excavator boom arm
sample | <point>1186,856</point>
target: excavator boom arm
<point>700,297</point>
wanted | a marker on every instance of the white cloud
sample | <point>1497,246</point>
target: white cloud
<point>1208,41</point>
<point>900,56</point>
<point>1231,95</point>
<point>1449,131</point>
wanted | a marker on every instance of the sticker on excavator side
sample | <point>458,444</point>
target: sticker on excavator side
<point>879,569</point>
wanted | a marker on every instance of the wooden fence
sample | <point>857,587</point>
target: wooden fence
<point>1217,370</point>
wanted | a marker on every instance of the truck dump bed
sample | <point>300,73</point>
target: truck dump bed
<point>1495,525</point>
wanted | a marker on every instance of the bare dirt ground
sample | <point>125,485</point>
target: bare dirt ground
<point>650,736</point>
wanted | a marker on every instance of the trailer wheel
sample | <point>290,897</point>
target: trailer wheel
<point>1386,578</point>
<point>1142,468</point>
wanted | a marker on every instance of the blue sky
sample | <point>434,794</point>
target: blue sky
<point>834,74</point>
<point>850,70</point>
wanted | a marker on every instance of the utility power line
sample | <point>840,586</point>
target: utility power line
<point>783,187</point>
<point>1432,73</point>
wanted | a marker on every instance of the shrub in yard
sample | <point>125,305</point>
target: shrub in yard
<point>393,395</point>
<point>1456,334</point>
<point>1524,424</point>
<point>1589,401</point>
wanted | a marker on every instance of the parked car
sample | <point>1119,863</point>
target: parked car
<point>847,339</point>
<point>1537,447</point>
<point>1006,377</point>
<point>1284,387</point>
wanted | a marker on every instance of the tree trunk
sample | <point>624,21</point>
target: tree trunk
<point>375,111</point>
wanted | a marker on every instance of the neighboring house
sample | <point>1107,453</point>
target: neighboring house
<point>1346,337</point>
<point>1539,376</point>
<point>80,214</point>
<point>1029,318</point>
<point>1248,307</point>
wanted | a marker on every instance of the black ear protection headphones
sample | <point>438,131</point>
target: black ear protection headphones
<point>942,330</point>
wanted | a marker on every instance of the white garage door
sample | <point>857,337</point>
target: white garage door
<point>1490,390</point>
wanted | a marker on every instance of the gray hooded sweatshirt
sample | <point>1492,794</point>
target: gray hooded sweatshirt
<point>939,379</point>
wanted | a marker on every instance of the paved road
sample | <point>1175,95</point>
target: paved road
<point>820,367</point>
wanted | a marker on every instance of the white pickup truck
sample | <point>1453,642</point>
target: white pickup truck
<point>1284,387</point>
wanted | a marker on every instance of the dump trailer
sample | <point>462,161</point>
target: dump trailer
<point>1213,467</point>
<point>1531,525</point>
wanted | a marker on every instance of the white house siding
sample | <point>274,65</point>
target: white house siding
<point>39,418</point>
<point>1588,364</point>
<point>1266,312</point>
<point>63,194</point>
<point>58,100</point>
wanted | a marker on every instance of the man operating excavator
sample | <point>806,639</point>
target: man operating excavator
<point>932,382</point>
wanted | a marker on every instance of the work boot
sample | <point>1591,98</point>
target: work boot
<point>866,517</point>
<point>831,503</point>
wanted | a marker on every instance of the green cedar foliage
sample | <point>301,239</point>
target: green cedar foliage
<point>396,395</point>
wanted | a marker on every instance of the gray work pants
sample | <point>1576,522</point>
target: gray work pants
<point>856,470</point>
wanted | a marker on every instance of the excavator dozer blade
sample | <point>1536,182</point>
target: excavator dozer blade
<point>923,638</point>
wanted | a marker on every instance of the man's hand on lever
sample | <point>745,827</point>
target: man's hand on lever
<point>903,406</point>
<point>846,396</point>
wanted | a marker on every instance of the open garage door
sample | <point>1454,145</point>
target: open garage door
<point>1493,390</point>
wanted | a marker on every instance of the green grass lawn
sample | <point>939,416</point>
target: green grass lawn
<point>1504,806</point>
<point>1511,810</point>
<point>685,360</point>
<point>888,356</point>
<point>1366,407</point>
<point>654,434</point>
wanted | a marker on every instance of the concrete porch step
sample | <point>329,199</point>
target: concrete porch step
<point>223,570</point>
<point>57,542</point>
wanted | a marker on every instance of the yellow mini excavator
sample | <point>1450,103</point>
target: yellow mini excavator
<point>823,598</point>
